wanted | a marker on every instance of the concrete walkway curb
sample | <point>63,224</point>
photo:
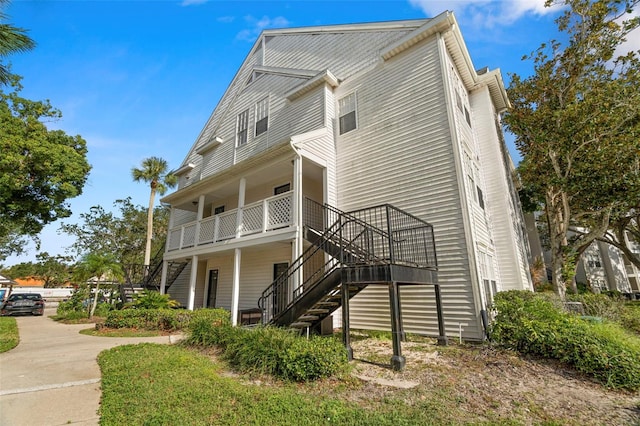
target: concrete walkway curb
<point>52,377</point>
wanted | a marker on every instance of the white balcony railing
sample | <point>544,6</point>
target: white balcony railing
<point>263,216</point>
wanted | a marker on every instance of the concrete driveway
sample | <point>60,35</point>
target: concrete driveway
<point>52,377</point>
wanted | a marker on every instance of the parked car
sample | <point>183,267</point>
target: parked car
<point>23,303</point>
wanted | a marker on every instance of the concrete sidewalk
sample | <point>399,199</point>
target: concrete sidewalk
<point>52,377</point>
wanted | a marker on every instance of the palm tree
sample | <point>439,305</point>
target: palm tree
<point>154,172</point>
<point>12,39</point>
<point>102,267</point>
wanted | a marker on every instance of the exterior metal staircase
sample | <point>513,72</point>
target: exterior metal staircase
<point>139,277</point>
<point>348,252</point>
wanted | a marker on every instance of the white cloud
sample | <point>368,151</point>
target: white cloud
<point>486,13</point>
<point>192,2</point>
<point>633,38</point>
<point>257,25</point>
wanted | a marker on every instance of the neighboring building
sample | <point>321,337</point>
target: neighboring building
<point>605,268</point>
<point>354,116</point>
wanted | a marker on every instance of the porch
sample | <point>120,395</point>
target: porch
<point>263,216</point>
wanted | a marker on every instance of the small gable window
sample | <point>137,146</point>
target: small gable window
<point>262,116</point>
<point>347,113</point>
<point>242,125</point>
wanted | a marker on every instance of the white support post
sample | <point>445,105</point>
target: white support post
<point>163,277</point>
<point>192,282</point>
<point>241,193</point>
<point>235,294</point>
<point>196,238</point>
<point>297,217</point>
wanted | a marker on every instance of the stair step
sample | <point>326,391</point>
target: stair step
<point>300,324</point>
<point>317,311</point>
<point>327,303</point>
<point>305,318</point>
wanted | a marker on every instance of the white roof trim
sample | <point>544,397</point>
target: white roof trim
<point>440,23</point>
<point>184,169</point>
<point>325,77</point>
<point>214,142</point>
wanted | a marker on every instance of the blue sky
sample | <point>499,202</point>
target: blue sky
<point>140,78</point>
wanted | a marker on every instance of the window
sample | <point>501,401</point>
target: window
<point>480,197</point>
<point>467,116</point>
<point>262,116</point>
<point>242,125</point>
<point>282,189</point>
<point>218,210</point>
<point>347,113</point>
<point>458,101</point>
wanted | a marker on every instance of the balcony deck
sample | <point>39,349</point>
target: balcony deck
<point>260,217</point>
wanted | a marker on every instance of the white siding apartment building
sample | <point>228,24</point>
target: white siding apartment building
<point>352,116</point>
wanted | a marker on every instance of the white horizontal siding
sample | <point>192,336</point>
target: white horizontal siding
<point>256,274</point>
<point>342,53</point>
<point>502,203</point>
<point>402,154</point>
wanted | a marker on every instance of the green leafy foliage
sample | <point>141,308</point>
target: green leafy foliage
<point>40,169</point>
<point>575,122</point>
<point>534,323</point>
<point>120,233</point>
<point>269,350</point>
<point>209,327</point>
<point>149,319</point>
<point>150,299</point>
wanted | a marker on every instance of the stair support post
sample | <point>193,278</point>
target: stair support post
<point>442,337</point>
<point>163,277</point>
<point>346,332</point>
<point>397,360</point>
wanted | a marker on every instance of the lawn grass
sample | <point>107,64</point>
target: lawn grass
<point>169,385</point>
<point>120,332</point>
<point>9,336</point>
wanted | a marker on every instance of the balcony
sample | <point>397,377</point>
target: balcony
<point>260,217</point>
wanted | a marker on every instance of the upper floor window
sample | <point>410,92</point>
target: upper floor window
<point>347,113</point>
<point>262,116</point>
<point>242,125</point>
<point>282,189</point>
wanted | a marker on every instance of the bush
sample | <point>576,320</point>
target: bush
<point>208,327</point>
<point>600,305</point>
<point>536,324</point>
<point>150,299</point>
<point>148,319</point>
<point>268,350</point>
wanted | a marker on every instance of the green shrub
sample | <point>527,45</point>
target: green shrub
<point>630,317</point>
<point>600,305</point>
<point>268,350</point>
<point>208,327</point>
<point>148,319</point>
<point>535,324</point>
<point>150,299</point>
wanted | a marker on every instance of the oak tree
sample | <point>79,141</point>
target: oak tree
<point>576,122</point>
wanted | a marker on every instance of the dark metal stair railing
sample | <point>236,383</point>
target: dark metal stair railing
<point>376,235</point>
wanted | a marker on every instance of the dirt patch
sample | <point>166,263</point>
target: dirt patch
<point>489,384</point>
<point>469,384</point>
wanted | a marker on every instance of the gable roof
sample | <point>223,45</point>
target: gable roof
<point>402,35</point>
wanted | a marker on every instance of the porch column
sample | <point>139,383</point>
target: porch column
<point>196,239</point>
<point>235,291</point>
<point>163,277</point>
<point>241,193</point>
<point>192,282</point>
<point>297,217</point>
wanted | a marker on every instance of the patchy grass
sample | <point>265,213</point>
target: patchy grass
<point>9,336</point>
<point>453,385</point>
<point>121,332</point>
